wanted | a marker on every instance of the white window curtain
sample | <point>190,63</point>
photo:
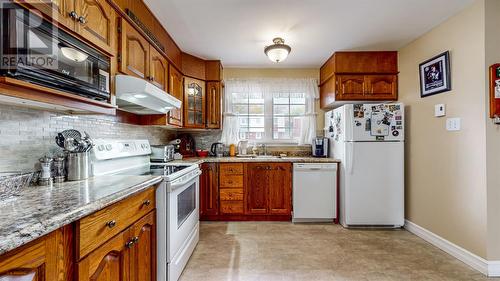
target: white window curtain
<point>268,87</point>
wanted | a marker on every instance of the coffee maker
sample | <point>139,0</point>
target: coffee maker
<point>320,147</point>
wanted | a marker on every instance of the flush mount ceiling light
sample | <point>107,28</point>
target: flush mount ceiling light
<point>277,52</point>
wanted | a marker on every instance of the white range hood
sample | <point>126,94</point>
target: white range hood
<point>141,97</point>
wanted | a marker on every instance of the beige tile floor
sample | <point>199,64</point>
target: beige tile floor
<point>285,251</point>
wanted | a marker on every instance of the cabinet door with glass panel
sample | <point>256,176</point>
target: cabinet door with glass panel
<point>194,103</point>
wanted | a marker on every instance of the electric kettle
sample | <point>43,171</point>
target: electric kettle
<point>217,149</point>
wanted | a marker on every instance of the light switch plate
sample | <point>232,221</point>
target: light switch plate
<point>453,124</point>
<point>440,110</point>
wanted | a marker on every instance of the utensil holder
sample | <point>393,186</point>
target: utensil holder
<point>78,166</point>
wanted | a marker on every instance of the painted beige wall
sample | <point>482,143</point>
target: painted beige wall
<point>446,171</point>
<point>279,73</point>
<point>492,22</point>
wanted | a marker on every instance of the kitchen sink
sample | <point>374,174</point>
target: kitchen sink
<point>258,157</point>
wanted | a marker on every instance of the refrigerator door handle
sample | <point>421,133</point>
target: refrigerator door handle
<point>349,123</point>
<point>350,157</point>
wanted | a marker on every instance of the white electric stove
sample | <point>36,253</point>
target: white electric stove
<point>177,198</point>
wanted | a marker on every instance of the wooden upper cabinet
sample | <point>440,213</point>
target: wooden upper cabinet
<point>366,87</point>
<point>61,11</point>
<point>194,103</point>
<point>209,190</point>
<point>280,188</point>
<point>143,251</point>
<point>350,87</point>
<point>142,12</point>
<point>37,261</point>
<point>92,20</point>
<point>213,70</point>
<point>96,23</point>
<point>134,52</point>
<point>214,104</point>
<point>359,76</point>
<point>327,93</point>
<point>158,70</point>
<point>193,67</point>
<point>382,86</point>
<point>109,262</point>
<point>175,87</point>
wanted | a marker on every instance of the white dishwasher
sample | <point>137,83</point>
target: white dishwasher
<point>314,192</point>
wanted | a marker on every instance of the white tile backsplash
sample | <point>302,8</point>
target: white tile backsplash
<point>27,134</point>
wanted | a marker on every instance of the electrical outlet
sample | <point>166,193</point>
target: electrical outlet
<point>453,124</point>
<point>439,110</point>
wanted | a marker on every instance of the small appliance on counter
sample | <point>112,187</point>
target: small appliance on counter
<point>217,149</point>
<point>162,153</point>
<point>242,147</point>
<point>186,145</point>
<point>320,147</point>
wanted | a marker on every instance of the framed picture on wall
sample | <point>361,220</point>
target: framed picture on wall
<point>435,75</point>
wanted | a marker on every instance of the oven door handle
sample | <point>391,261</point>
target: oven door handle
<point>184,180</point>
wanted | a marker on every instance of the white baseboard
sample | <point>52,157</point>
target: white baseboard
<point>489,268</point>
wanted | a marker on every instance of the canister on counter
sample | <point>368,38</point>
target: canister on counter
<point>232,150</point>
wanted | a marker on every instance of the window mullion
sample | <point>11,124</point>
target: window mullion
<point>268,117</point>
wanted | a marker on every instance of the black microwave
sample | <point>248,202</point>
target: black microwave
<point>36,51</point>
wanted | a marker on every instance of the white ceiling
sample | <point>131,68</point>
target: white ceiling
<point>236,31</point>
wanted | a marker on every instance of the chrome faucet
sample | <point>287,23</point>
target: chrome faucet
<point>264,148</point>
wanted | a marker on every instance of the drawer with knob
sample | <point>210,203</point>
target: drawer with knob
<point>231,181</point>
<point>230,194</point>
<point>231,169</point>
<point>231,207</point>
<point>97,228</point>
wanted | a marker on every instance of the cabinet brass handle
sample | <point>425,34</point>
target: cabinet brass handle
<point>135,239</point>
<point>146,203</point>
<point>111,224</point>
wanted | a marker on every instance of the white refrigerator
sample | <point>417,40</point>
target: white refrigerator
<point>369,141</point>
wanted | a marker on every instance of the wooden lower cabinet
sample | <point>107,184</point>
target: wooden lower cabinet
<point>280,189</point>
<point>143,252</point>
<point>269,189</point>
<point>209,189</point>
<point>109,262</point>
<point>37,261</point>
<point>246,191</point>
<point>128,256</point>
<point>256,194</point>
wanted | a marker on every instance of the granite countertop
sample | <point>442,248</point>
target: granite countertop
<point>40,210</point>
<point>293,159</point>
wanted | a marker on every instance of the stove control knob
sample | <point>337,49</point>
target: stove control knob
<point>108,147</point>
<point>100,147</point>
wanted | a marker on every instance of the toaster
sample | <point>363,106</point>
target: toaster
<point>162,153</point>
